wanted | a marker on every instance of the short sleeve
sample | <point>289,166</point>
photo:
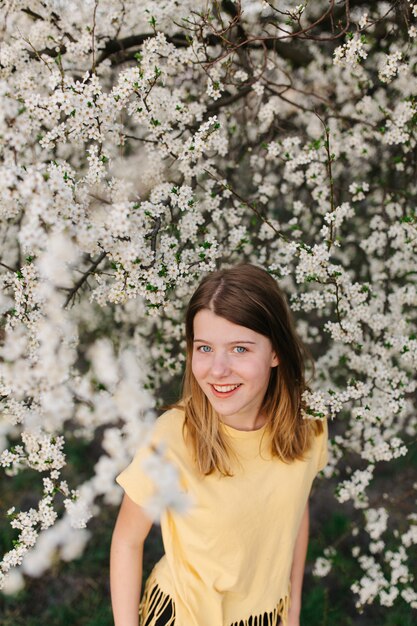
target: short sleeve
<point>136,483</point>
<point>323,455</point>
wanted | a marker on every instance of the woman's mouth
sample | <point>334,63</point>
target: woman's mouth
<point>224,391</point>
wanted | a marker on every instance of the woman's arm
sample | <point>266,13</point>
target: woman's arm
<point>297,570</point>
<point>126,552</point>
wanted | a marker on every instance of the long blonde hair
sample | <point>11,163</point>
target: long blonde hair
<point>248,296</point>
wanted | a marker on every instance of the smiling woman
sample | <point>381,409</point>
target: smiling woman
<point>244,302</point>
<point>246,457</point>
<point>235,367</point>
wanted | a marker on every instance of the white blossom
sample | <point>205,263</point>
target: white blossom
<point>351,52</point>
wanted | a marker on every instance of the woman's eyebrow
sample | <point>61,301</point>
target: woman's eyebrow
<point>229,343</point>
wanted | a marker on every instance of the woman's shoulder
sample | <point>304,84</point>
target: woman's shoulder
<point>170,423</point>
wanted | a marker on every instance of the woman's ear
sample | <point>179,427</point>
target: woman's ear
<point>275,360</point>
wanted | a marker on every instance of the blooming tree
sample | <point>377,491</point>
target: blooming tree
<point>144,144</point>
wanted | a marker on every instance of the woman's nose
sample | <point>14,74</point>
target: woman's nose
<point>220,365</point>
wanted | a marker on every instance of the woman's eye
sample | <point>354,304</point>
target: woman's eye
<point>240,349</point>
<point>204,349</point>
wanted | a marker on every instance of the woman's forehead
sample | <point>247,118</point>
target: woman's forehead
<point>210,327</point>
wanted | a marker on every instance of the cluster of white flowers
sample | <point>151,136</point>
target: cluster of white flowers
<point>382,450</point>
<point>376,583</point>
<point>214,84</point>
<point>413,6</point>
<point>398,128</point>
<point>336,218</point>
<point>168,494</point>
<point>376,522</point>
<point>390,66</point>
<point>350,53</point>
<point>359,191</point>
<point>313,263</point>
<point>355,488</point>
<point>409,538</point>
<point>323,564</point>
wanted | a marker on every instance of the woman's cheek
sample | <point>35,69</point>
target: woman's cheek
<point>255,370</point>
<point>197,365</point>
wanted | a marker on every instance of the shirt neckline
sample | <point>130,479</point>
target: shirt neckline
<point>243,434</point>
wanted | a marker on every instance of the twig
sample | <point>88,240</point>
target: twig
<point>36,53</point>
<point>153,237</point>
<point>250,206</point>
<point>330,158</point>
<point>132,41</point>
<point>8,267</point>
<point>93,35</point>
<point>84,277</point>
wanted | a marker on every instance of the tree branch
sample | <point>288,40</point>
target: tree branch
<point>83,278</point>
<point>114,46</point>
<point>153,237</point>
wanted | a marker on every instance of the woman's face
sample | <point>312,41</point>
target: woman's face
<point>232,364</point>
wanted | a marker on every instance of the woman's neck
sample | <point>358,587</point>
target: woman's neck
<point>254,424</point>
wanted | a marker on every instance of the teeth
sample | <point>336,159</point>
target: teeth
<point>225,388</point>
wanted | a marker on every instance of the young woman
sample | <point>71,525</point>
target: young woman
<point>247,458</point>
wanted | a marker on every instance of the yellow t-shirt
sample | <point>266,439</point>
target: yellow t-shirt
<point>228,557</point>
